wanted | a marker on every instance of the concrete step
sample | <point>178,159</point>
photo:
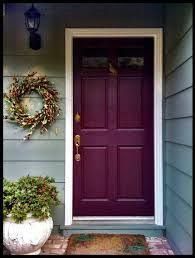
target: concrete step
<point>119,228</point>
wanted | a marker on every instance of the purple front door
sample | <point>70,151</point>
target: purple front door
<point>113,95</point>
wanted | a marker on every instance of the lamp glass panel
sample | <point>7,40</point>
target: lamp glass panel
<point>31,22</point>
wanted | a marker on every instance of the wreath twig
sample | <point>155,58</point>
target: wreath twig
<point>16,112</point>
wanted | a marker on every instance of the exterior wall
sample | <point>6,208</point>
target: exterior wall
<point>178,126</point>
<point>44,154</point>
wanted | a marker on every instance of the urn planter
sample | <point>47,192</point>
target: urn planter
<point>27,207</point>
<point>27,237</point>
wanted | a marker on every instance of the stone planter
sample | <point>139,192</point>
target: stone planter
<point>28,237</point>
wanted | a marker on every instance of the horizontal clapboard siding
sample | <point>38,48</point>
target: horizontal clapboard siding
<point>17,150</point>
<point>178,126</point>
<point>180,183</point>
<point>58,215</point>
<point>176,131</point>
<point>11,131</point>
<point>179,156</point>
<point>178,235</point>
<point>180,208</point>
<point>52,66</point>
<point>177,57</point>
<point>179,27</point>
<point>179,105</point>
<point>180,79</point>
<point>13,169</point>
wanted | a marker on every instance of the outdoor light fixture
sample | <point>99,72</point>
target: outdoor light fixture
<point>32,21</point>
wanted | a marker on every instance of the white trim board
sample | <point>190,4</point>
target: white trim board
<point>156,33</point>
<point>113,218</point>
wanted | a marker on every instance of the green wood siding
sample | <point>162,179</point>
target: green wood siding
<point>181,209</point>
<point>176,57</point>
<point>180,80</point>
<point>51,65</point>
<point>178,126</point>
<point>34,168</point>
<point>177,234</point>
<point>175,129</point>
<point>179,20</point>
<point>179,156</point>
<point>13,131</point>
<point>180,183</point>
<point>41,150</point>
<point>176,105</point>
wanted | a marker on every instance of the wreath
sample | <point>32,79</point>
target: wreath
<point>17,113</point>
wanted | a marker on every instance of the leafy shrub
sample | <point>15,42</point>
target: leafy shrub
<point>29,195</point>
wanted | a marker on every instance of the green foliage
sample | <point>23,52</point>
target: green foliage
<point>29,195</point>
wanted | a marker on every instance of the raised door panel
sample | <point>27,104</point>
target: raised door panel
<point>129,102</point>
<point>129,173</point>
<point>94,172</point>
<point>94,103</point>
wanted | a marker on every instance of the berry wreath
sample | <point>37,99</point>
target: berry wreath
<point>16,111</point>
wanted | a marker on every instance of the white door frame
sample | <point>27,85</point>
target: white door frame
<point>156,33</point>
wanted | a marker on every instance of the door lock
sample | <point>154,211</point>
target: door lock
<point>77,139</point>
<point>77,144</point>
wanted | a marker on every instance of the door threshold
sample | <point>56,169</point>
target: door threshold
<point>113,220</point>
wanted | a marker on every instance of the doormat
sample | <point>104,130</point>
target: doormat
<point>110,244</point>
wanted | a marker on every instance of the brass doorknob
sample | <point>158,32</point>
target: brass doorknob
<point>77,118</point>
<point>77,139</point>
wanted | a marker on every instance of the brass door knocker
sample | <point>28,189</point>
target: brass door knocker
<point>112,69</point>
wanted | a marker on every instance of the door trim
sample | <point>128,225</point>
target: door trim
<point>140,218</point>
<point>157,34</point>
<point>113,220</point>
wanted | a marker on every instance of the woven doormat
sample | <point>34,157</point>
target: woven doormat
<point>110,244</point>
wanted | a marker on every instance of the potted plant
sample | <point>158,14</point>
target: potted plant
<point>27,205</point>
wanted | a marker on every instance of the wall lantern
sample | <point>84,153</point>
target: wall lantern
<point>32,21</point>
